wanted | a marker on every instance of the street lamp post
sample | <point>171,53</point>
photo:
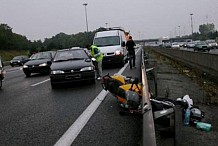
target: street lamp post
<point>139,35</point>
<point>179,30</point>
<point>85,4</point>
<point>191,24</point>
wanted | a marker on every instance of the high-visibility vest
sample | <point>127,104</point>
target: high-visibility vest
<point>98,58</point>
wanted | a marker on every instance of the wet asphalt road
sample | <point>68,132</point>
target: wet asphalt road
<point>34,114</point>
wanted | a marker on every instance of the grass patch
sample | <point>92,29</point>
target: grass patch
<point>7,55</point>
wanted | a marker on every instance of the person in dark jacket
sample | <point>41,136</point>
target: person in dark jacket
<point>130,45</point>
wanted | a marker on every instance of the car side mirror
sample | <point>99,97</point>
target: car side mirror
<point>87,60</point>
<point>123,44</point>
<point>49,62</point>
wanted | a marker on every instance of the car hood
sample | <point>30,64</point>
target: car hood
<point>37,62</point>
<point>15,60</point>
<point>71,64</point>
<point>201,45</point>
<point>109,49</point>
<point>212,43</point>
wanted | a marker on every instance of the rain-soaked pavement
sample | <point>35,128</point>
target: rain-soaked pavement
<point>175,81</point>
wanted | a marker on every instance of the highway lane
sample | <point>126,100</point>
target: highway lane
<point>108,127</point>
<point>34,114</point>
<point>38,115</point>
<point>212,51</point>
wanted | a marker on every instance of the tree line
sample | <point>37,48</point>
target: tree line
<point>206,31</point>
<point>13,41</point>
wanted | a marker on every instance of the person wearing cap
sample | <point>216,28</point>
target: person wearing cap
<point>96,53</point>
<point>130,45</point>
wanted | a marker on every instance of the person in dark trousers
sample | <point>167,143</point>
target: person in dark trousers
<point>96,53</point>
<point>130,45</point>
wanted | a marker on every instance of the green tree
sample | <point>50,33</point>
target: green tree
<point>205,29</point>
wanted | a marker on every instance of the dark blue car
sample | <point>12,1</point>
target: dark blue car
<point>39,63</point>
<point>19,60</point>
<point>71,65</point>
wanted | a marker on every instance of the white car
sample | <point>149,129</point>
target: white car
<point>112,45</point>
<point>175,45</point>
<point>212,44</point>
<point>190,45</point>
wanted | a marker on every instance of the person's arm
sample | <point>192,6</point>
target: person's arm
<point>127,45</point>
<point>134,43</point>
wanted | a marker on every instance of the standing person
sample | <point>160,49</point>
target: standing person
<point>130,45</point>
<point>96,53</point>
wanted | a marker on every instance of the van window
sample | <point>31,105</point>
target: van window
<point>107,41</point>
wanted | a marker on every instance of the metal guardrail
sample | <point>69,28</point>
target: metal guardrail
<point>149,138</point>
<point>205,62</point>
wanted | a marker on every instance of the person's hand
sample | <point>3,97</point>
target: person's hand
<point>93,59</point>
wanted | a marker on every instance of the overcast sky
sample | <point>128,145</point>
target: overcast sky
<point>39,19</point>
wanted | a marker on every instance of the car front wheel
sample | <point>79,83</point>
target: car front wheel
<point>53,85</point>
<point>27,74</point>
<point>92,81</point>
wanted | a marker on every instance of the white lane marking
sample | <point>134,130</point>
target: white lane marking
<point>8,71</point>
<point>70,135</point>
<point>40,82</point>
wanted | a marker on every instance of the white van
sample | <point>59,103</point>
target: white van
<point>112,45</point>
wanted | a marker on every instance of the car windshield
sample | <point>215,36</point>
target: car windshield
<point>210,41</point>
<point>17,57</point>
<point>202,43</point>
<point>107,41</point>
<point>41,55</point>
<point>73,54</point>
